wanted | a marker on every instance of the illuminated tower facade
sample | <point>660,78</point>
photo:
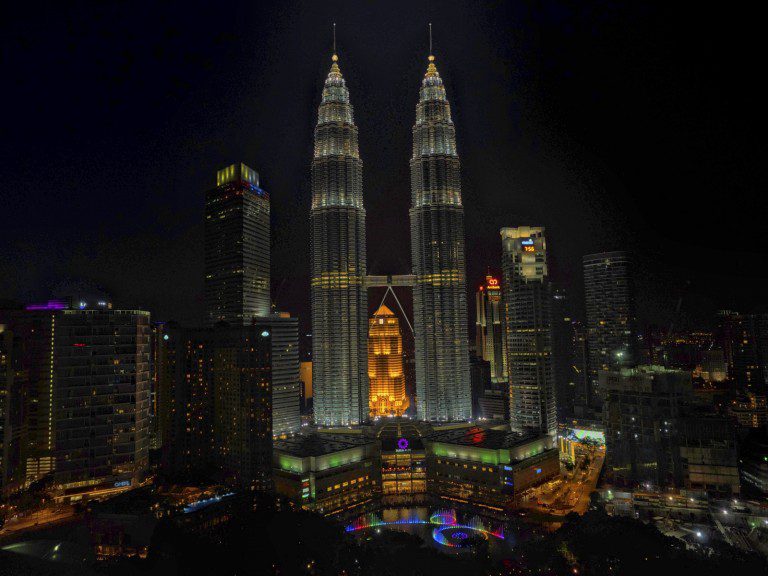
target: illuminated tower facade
<point>437,252</point>
<point>489,327</point>
<point>236,247</point>
<point>528,307</point>
<point>385,365</point>
<point>339,302</point>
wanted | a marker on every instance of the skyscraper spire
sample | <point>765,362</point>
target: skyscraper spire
<point>437,251</point>
<point>339,302</point>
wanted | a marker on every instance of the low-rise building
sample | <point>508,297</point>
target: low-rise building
<point>488,468</point>
<point>327,473</point>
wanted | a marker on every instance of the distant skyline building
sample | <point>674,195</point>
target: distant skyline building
<point>528,305</point>
<point>611,320</point>
<point>101,399</point>
<point>339,300</point>
<point>385,365</point>
<point>237,247</point>
<point>489,327</point>
<point>286,382</point>
<point>438,258</point>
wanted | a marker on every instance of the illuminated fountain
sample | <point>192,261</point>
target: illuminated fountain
<point>447,532</point>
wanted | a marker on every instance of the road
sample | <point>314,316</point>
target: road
<point>41,518</point>
<point>570,493</point>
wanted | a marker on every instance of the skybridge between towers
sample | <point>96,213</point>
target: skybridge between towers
<point>391,281</point>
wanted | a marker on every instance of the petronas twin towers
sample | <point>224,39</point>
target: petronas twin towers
<point>339,276</point>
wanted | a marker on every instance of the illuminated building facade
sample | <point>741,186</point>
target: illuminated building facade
<point>34,380</point>
<point>488,468</point>
<point>101,400</point>
<point>385,365</point>
<point>237,247</point>
<point>327,473</point>
<point>611,322</point>
<point>339,300</point>
<point>527,302</point>
<point>403,461</point>
<point>489,328</point>
<point>437,253</point>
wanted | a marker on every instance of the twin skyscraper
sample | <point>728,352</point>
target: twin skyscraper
<point>340,280</point>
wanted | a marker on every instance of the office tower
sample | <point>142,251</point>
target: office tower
<point>744,338</point>
<point>339,300</point>
<point>437,252</point>
<point>221,409</point>
<point>162,385</point>
<point>187,404</point>
<point>35,327</point>
<point>480,381</point>
<point>11,411</point>
<point>286,382</point>
<point>611,330</point>
<point>562,350</point>
<point>528,307</point>
<point>242,388</point>
<point>101,399</point>
<point>489,328</point>
<point>385,365</point>
<point>236,247</point>
<point>578,375</point>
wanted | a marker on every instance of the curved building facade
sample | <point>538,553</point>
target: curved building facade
<point>339,303</point>
<point>437,251</point>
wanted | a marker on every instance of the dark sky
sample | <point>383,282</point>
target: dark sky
<point>637,126</point>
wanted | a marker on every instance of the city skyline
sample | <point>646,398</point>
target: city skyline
<point>277,371</point>
<point>174,188</point>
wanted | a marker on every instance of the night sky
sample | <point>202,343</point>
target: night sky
<point>617,127</point>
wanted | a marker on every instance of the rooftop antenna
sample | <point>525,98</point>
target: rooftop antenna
<point>334,43</point>
<point>430,41</point>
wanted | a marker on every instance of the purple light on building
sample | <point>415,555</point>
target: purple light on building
<point>50,305</point>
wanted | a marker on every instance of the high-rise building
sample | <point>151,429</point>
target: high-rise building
<point>578,375</point>
<point>236,247</point>
<point>101,398</point>
<point>221,406</point>
<point>489,328</point>
<point>187,402</point>
<point>480,381</point>
<point>744,338</point>
<point>11,411</point>
<point>562,350</point>
<point>35,379</point>
<point>385,365</point>
<point>528,302</point>
<point>437,252</point>
<point>611,322</point>
<point>339,300</point>
<point>242,388</point>
<point>286,382</point>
